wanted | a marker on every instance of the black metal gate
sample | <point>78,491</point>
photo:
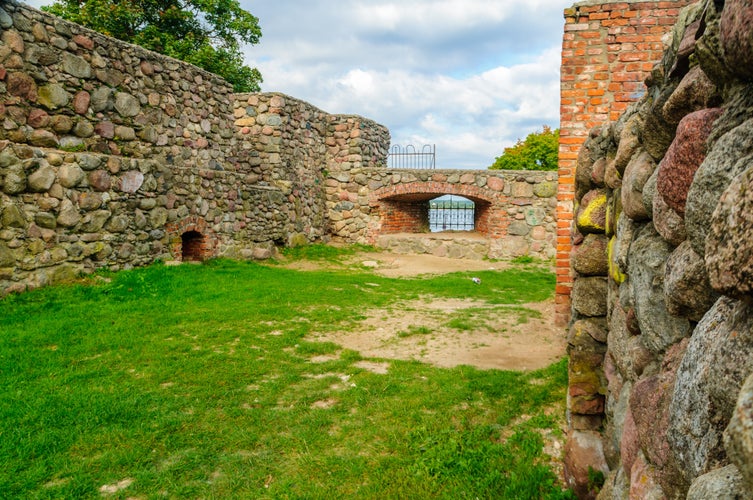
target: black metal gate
<point>451,214</point>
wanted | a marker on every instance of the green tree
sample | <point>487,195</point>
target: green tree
<point>206,33</point>
<point>539,151</point>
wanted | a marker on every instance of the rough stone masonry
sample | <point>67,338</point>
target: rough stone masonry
<point>111,155</point>
<point>661,338</point>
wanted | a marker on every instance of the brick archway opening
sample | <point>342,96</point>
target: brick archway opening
<point>193,246</point>
<point>192,240</point>
<point>409,213</point>
<point>404,208</point>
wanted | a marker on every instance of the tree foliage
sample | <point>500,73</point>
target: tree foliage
<point>206,33</point>
<point>539,151</point>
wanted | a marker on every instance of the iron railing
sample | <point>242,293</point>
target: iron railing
<point>408,157</point>
<point>451,215</point>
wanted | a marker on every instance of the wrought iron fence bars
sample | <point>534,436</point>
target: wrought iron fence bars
<point>451,215</point>
<point>407,157</point>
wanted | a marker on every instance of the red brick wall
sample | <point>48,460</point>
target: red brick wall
<point>404,216</point>
<point>608,49</point>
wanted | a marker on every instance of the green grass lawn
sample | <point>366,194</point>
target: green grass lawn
<point>197,382</point>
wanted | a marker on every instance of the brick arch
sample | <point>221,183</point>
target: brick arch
<point>403,207</point>
<point>191,238</point>
<point>435,188</point>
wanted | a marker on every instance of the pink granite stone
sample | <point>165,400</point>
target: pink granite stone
<point>683,158</point>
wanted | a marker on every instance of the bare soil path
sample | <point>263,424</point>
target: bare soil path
<point>505,337</point>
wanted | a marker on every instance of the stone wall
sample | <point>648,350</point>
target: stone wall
<point>102,145</point>
<point>65,213</point>
<point>70,88</point>
<point>661,342</point>
<point>112,156</point>
<point>293,146</point>
<point>514,210</point>
<point>454,245</point>
<point>608,50</point>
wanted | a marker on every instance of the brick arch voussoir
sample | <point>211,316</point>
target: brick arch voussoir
<point>472,192</point>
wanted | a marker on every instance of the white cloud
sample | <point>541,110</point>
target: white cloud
<point>470,119</point>
<point>471,76</point>
<point>435,20</point>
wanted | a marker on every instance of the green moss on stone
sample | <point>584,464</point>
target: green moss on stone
<point>298,240</point>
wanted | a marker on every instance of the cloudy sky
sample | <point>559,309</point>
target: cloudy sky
<point>471,76</point>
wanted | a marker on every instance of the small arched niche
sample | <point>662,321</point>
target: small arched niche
<point>193,247</point>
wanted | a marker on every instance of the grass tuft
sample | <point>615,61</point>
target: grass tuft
<point>414,330</point>
<point>321,252</point>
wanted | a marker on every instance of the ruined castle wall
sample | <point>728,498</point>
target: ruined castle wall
<point>661,343</point>
<point>608,50</point>
<point>111,155</point>
<point>70,88</point>
<point>296,147</point>
<point>105,147</point>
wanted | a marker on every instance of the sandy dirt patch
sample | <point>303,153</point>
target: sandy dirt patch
<point>394,265</point>
<point>521,337</point>
<point>505,337</point>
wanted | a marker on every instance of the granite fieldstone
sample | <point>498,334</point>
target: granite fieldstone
<point>738,437</point>
<point>710,376</point>
<point>729,246</point>
<point>684,156</point>
<point>735,26</point>
<point>591,215</point>
<point>646,260</point>
<point>639,169</point>
<point>730,156</point>
<point>687,292</point>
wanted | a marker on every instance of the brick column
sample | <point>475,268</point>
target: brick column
<point>608,49</point>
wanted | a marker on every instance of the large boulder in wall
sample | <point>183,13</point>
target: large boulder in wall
<point>647,257</point>
<point>730,156</point>
<point>729,244</point>
<point>717,361</point>
<point>684,156</point>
